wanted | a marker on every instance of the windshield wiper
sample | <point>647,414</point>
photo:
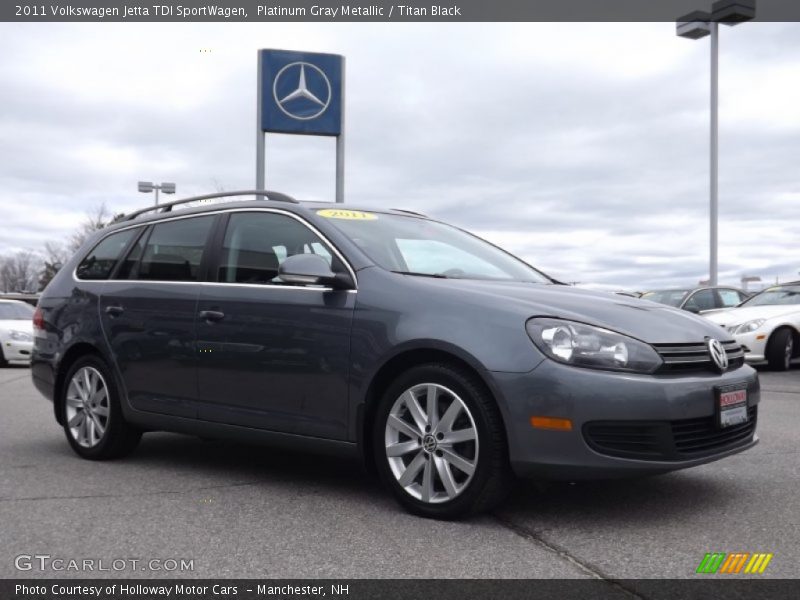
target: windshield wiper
<point>434,275</point>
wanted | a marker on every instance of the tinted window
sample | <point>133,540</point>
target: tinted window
<point>729,297</point>
<point>702,300</point>
<point>174,250</point>
<point>127,270</point>
<point>257,243</point>
<point>15,311</point>
<point>101,260</point>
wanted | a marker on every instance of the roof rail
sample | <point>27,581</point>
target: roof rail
<point>167,207</point>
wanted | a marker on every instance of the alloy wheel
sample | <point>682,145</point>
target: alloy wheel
<point>788,351</point>
<point>87,407</point>
<point>431,443</point>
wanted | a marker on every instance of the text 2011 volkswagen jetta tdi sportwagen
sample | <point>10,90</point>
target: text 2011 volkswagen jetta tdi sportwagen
<point>449,364</point>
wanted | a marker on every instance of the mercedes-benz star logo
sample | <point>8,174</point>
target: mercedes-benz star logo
<point>718,354</point>
<point>306,100</point>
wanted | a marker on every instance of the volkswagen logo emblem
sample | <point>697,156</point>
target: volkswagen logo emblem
<point>302,91</point>
<point>718,354</point>
<point>429,443</point>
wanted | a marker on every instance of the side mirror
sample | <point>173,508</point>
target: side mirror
<point>692,309</point>
<point>312,269</point>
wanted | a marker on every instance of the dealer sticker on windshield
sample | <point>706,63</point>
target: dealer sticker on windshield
<point>353,215</point>
<point>732,406</point>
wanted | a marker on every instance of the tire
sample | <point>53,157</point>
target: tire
<point>103,434</point>
<point>780,349</point>
<point>3,361</point>
<point>425,474</point>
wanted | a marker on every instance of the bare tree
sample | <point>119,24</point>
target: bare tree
<point>19,272</point>
<point>55,255</point>
<point>96,219</point>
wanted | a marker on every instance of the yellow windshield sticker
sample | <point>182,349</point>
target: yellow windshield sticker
<point>353,215</point>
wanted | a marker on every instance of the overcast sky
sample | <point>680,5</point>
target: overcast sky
<point>582,148</point>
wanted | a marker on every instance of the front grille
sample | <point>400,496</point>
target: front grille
<point>667,440</point>
<point>695,357</point>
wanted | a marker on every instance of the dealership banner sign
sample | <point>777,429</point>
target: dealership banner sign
<point>374,10</point>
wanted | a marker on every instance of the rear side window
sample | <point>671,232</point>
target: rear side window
<point>174,250</point>
<point>101,260</point>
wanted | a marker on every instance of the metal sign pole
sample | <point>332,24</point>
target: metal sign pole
<point>714,184</point>
<point>260,135</point>
<point>340,146</point>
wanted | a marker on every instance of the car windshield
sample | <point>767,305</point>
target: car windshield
<point>418,246</point>
<point>670,297</point>
<point>15,311</point>
<point>789,294</point>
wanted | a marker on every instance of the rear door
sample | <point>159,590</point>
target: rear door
<point>272,355</point>
<point>148,310</point>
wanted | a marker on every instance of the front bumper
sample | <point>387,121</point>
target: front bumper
<point>590,396</point>
<point>754,344</point>
<point>15,351</point>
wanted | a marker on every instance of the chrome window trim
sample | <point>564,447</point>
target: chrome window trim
<point>298,218</point>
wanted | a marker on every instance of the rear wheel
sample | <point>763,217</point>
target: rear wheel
<point>3,361</point>
<point>439,443</point>
<point>92,416</point>
<point>780,349</point>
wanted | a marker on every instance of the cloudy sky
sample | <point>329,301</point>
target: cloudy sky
<point>581,147</point>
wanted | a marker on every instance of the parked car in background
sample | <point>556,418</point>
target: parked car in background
<point>698,300</point>
<point>16,332</point>
<point>766,325</point>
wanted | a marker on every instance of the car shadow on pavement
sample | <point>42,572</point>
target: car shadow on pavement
<point>646,500</point>
<point>251,463</point>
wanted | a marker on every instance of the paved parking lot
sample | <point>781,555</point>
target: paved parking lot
<point>241,511</point>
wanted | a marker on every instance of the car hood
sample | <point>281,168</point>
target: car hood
<point>23,325</point>
<point>737,316</point>
<point>648,321</point>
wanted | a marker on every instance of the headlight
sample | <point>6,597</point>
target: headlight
<point>20,336</point>
<point>586,346</point>
<point>747,327</point>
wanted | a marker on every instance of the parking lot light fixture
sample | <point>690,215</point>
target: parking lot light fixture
<point>697,25</point>
<point>148,186</point>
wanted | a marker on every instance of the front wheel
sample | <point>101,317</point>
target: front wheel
<point>91,412</point>
<point>780,349</point>
<point>440,445</point>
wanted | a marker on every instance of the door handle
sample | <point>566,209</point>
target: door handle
<point>212,316</point>
<point>114,311</point>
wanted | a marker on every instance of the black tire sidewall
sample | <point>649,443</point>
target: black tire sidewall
<point>116,425</point>
<point>467,389</point>
<point>776,349</point>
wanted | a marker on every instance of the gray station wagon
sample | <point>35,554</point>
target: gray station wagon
<point>447,364</point>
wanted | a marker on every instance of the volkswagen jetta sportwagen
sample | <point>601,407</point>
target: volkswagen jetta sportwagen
<point>448,364</point>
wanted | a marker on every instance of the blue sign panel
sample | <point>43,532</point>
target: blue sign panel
<point>301,92</point>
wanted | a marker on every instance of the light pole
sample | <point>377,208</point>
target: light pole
<point>148,186</point>
<point>694,26</point>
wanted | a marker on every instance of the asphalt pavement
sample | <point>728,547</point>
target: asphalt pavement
<point>247,511</point>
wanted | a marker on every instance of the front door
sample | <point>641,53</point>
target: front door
<point>272,355</point>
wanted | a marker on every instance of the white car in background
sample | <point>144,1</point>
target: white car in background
<point>16,332</point>
<point>766,325</point>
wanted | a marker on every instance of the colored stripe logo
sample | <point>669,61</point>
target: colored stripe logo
<point>734,563</point>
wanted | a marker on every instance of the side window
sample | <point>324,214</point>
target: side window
<point>729,297</point>
<point>174,250</point>
<point>101,260</point>
<point>256,244</point>
<point>702,300</point>
<point>127,268</point>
